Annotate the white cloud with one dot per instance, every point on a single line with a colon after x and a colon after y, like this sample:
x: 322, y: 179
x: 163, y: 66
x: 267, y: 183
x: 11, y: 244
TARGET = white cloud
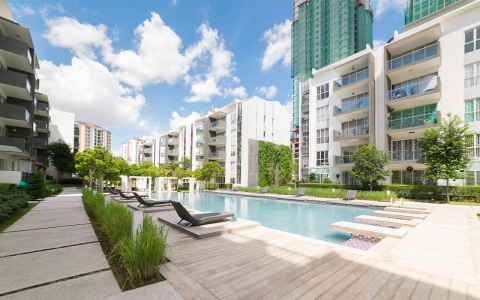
x: 178, y: 121
x: 183, y: 109
x: 88, y: 89
x: 28, y: 10
x: 203, y: 90
x: 279, y: 45
x: 268, y: 92
x: 382, y: 6
x: 378, y: 43
x: 289, y: 107
x: 116, y: 33
x: 48, y: 8
x: 80, y: 38
x: 235, y: 79
x: 15, y: 11
x: 238, y: 92
x: 174, y: 2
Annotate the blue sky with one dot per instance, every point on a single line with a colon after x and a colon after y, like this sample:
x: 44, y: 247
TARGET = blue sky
x: 140, y: 67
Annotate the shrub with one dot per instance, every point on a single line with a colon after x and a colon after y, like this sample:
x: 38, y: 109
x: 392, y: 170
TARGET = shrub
x: 7, y: 188
x: 11, y: 203
x: 37, y: 188
x: 214, y: 186
x: 53, y: 189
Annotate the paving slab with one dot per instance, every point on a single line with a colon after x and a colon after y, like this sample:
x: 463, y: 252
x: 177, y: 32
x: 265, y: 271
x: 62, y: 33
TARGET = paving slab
x: 93, y: 286
x: 50, y: 218
x: 18, y: 242
x: 161, y: 290
x: 28, y: 270
x: 368, y: 230
x: 57, y: 205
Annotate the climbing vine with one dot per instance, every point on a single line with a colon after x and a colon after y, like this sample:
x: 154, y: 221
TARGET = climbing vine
x: 268, y: 157
x: 285, y: 164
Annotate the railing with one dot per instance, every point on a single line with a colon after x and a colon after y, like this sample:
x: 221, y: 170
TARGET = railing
x: 42, y: 106
x: 200, y: 143
x: 213, y: 155
x: 76, y: 144
x: 342, y: 159
x: 170, y: 140
x: 200, y: 156
x: 200, y: 129
x: 351, y: 105
x: 415, y: 121
x: 173, y: 152
x: 29, y: 56
x: 217, y: 139
x: 29, y: 88
x: 412, y: 57
x: 217, y: 123
x: 352, y: 132
x: 76, y: 131
x: 405, y: 155
x: 413, y: 89
x: 351, y: 78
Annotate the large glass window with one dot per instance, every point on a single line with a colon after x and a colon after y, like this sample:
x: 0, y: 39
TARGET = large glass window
x: 323, y: 92
x: 472, y: 40
x: 322, y: 158
x: 412, y: 117
x: 322, y: 113
x: 322, y: 136
x: 472, y: 110
x: 410, y: 177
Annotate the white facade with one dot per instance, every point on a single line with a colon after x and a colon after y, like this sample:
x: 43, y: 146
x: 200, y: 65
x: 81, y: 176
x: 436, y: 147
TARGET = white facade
x: 149, y: 152
x: 61, y: 126
x: 411, y: 84
x: 131, y: 150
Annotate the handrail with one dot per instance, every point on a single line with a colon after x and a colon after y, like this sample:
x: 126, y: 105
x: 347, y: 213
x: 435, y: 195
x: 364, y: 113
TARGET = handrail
x: 413, y: 89
x: 412, y: 57
x: 414, y: 121
x: 352, y: 132
x: 357, y: 76
x: 352, y: 105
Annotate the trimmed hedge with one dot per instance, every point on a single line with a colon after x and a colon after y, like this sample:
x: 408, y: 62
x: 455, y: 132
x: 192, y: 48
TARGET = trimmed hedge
x: 214, y: 186
x: 11, y: 203
x: 53, y: 189
x: 7, y: 188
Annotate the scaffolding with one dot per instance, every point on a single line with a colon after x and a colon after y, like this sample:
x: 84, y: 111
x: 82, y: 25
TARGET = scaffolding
x: 417, y: 9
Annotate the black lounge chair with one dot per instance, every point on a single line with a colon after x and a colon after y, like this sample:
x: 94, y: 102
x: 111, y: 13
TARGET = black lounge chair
x: 129, y: 197
x: 111, y: 191
x: 198, y: 219
x: 351, y: 195
x: 149, y: 203
x: 264, y: 191
x: 301, y: 192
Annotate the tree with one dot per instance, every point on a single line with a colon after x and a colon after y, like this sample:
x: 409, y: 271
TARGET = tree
x: 370, y: 164
x: 312, y: 178
x: 212, y: 170
x: 295, y: 169
x: 186, y: 163
x: 445, y: 150
x: 327, y: 180
x: 62, y: 157
x: 99, y: 162
x: 37, y: 187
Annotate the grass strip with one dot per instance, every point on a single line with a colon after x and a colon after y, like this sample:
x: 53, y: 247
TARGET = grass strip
x: 16, y: 216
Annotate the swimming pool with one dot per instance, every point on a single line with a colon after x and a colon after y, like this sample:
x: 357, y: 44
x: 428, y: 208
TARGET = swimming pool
x: 307, y: 219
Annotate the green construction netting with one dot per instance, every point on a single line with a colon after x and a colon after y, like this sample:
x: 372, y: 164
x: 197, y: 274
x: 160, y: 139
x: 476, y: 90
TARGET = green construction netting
x: 417, y: 9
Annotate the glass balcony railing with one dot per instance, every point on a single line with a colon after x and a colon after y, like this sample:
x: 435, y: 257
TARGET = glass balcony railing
x: 172, y: 151
x: 214, y: 124
x: 216, y: 139
x: 412, y: 57
x: 414, y: 121
x: 342, y: 159
x: 27, y: 116
x: 29, y: 88
x: 360, y: 75
x: 413, y: 89
x: 200, y: 129
x: 29, y: 56
x: 170, y: 140
x: 405, y: 155
x: 351, y: 105
x: 352, y: 132
x: 200, y: 142
x: 213, y: 155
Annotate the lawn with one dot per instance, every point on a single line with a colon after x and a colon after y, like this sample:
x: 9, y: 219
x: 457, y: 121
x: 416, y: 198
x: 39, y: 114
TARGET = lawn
x: 13, y: 218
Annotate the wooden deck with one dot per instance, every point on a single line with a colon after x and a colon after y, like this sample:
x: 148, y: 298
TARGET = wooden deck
x: 438, y: 259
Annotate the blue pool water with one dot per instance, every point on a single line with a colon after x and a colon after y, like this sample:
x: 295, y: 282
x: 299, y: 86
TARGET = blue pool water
x: 307, y: 219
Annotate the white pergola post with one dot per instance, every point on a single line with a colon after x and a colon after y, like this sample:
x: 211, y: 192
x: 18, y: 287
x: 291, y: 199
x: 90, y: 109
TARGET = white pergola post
x: 169, y: 184
x: 137, y: 220
x: 124, y: 180
x: 191, y: 184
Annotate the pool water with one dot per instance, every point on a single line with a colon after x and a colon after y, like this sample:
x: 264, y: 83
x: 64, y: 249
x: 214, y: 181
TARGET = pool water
x: 307, y: 219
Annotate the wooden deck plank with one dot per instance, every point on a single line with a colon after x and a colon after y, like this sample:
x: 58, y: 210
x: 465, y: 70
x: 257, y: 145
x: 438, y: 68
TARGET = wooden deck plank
x: 376, y: 284
x: 199, y: 290
x: 441, y: 288
x: 408, y: 285
x: 424, y: 287
x: 351, y: 291
x: 178, y: 284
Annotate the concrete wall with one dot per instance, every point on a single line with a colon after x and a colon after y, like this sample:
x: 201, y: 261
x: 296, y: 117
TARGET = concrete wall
x: 11, y: 177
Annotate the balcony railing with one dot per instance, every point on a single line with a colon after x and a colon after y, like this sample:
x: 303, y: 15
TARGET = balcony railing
x: 18, y: 142
x: 218, y: 139
x: 200, y: 156
x: 406, y: 155
x: 412, y: 57
x: 343, y: 159
x: 76, y: 131
x: 415, y: 121
x: 413, y: 89
x: 351, y: 105
x: 216, y: 155
x: 217, y: 123
x: 352, y: 132
x: 200, y: 129
x: 200, y: 143
x: 42, y: 106
x: 40, y: 143
x: 351, y: 78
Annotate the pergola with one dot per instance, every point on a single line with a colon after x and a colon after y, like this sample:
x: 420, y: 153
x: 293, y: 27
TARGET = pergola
x: 145, y: 182
x: 159, y: 183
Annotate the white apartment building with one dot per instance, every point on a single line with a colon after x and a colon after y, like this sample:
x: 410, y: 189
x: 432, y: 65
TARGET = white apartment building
x: 131, y: 150
x: 388, y: 95
x: 88, y: 135
x: 223, y: 135
x: 148, y: 152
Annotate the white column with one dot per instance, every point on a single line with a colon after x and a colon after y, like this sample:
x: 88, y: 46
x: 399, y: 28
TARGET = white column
x: 137, y: 220
x: 169, y: 184
x: 190, y: 185
x: 124, y: 180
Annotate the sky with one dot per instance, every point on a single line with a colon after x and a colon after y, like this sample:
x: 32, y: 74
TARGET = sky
x: 140, y: 68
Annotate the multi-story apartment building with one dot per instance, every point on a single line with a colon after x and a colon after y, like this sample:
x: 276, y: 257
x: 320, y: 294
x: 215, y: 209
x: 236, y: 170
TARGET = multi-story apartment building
x: 24, y: 111
x: 387, y: 96
x: 323, y: 32
x: 88, y: 135
x: 148, y: 152
x: 176, y: 144
x: 131, y: 150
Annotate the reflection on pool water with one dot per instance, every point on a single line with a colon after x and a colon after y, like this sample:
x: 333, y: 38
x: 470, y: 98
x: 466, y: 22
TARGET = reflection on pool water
x: 307, y: 219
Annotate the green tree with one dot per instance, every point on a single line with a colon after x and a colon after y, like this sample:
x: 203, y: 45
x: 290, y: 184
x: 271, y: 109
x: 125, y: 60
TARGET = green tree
x: 295, y: 169
x: 62, y: 157
x: 37, y: 187
x: 312, y: 178
x: 445, y: 150
x: 100, y: 163
x: 370, y: 164
x: 212, y: 170
x: 186, y: 163
x: 327, y: 180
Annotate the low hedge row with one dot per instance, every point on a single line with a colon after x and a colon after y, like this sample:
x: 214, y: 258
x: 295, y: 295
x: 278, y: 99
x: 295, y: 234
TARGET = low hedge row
x: 11, y: 203
x: 53, y: 189
x: 7, y: 188
x: 211, y: 185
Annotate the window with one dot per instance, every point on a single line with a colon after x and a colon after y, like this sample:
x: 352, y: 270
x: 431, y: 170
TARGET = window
x: 322, y: 113
x: 233, y: 137
x: 322, y: 136
x: 233, y: 117
x: 322, y: 158
x: 322, y: 92
x: 472, y: 74
x: 472, y: 110
x: 472, y: 40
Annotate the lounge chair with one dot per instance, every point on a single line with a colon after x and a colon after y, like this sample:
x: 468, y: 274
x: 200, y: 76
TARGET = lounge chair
x: 129, y: 197
x: 111, y: 191
x: 264, y: 191
x: 149, y: 203
x: 236, y: 189
x: 301, y: 192
x: 198, y: 219
x: 351, y: 195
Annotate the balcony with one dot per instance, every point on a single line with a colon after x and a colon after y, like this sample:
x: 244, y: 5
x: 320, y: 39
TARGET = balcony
x: 422, y: 93
x: 412, y: 127
x: 219, y: 155
x: 172, y: 152
x: 14, y: 115
x: 200, y: 130
x: 217, y: 140
x: 342, y: 160
x: 355, y: 109
x: 402, y: 156
x: 42, y: 126
x: 162, y: 154
x: 423, y: 60
x: 352, y: 136
x: 15, y: 85
x: 147, y: 150
x: 218, y: 125
x: 76, y: 144
x: 41, y: 109
x: 76, y: 132
x: 15, y: 54
x: 40, y: 143
x: 14, y: 144
x: 356, y: 83
x: 200, y: 156
x: 173, y: 141
x: 42, y: 160
x: 147, y: 159
x: 200, y: 143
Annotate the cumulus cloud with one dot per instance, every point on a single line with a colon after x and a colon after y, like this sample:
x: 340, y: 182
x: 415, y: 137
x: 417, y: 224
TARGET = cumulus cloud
x: 182, y: 108
x: 238, y: 92
x: 278, y: 49
x: 268, y: 92
x: 177, y: 120
x: 382, y: 6
x: 203, y: 90
x: 378, y: 43
x: 88, y: 89
x: 28, y: 10
x: 289, y: 106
